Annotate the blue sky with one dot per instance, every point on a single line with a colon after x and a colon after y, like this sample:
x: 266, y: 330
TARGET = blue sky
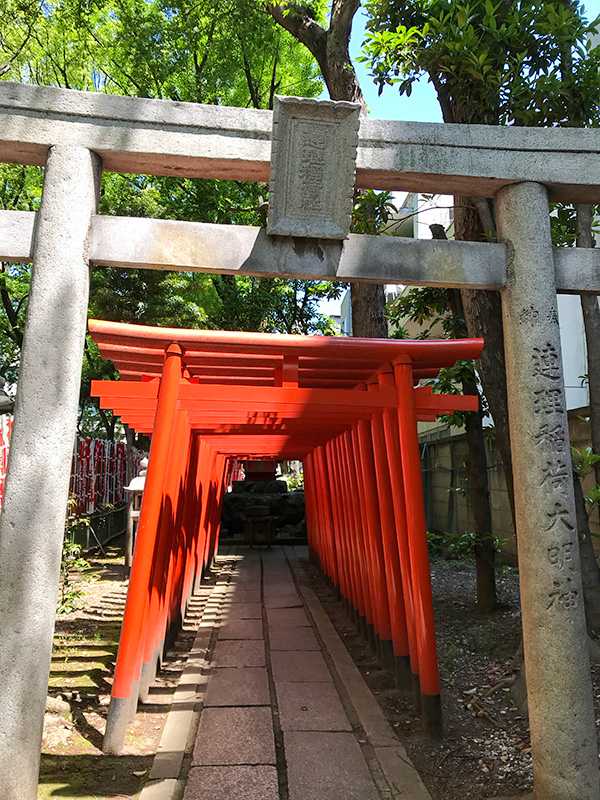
x: 422, y: 105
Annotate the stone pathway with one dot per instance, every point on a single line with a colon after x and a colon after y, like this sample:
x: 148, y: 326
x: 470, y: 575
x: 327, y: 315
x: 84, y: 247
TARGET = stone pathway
x: 285, y: 714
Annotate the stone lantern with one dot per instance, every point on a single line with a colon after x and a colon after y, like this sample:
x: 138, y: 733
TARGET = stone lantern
x: 135, y: 490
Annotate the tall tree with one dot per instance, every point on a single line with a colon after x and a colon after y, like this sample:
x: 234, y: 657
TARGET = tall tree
x: 506, y: 63
x: 330, y: 47
x: 223, y: 53
x: 496, y: 64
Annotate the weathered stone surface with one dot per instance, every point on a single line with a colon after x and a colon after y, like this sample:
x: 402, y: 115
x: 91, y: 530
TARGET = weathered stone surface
x: 563, y: 741
x: 161, y: 137
x: 313, y: 158
x: 276, y: 487
x: 287, y: 617
x: 37, y: 484
x: 241, y: 629
x: 58, y: 706
x: 227, y: 783
x: 242, y: 611
x: 245, y: 597
x: 188, y: 245
x: 293, y: 639
x: 241, y: 250
x: 299, y: 665
x: 290, y: 600
x: 238, y: 686
x: 235, y: 736
x: 326, y: 765
x: 310, y: 707
x: 277, y: 588
x: 249, y: 653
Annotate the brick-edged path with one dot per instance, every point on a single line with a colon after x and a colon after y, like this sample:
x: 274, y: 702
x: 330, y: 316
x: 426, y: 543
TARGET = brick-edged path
x: 284, y: 712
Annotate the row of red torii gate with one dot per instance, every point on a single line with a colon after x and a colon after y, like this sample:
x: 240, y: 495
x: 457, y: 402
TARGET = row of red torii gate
x: 348, y: 409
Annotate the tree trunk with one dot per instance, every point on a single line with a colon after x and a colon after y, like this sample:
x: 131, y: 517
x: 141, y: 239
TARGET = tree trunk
x: 591, y: 322
x: 483, y: 318
x: 330, y: 49
x: 485, y: 552
x: 368, y: 310
x: 590, y: 575
x: 479, y: 490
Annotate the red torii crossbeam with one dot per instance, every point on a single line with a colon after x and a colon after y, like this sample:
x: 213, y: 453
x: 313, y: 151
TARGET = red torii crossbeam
x: 348, y: 409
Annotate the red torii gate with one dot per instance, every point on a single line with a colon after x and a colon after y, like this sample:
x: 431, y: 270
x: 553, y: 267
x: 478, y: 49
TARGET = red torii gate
x: 348, y: 409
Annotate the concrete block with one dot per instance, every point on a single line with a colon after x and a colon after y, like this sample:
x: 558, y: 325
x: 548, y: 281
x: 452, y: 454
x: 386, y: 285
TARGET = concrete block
x: 162, y: 789
x: 400, y: 773
x: 238, y: 686
x: 310, y: 707
x: 231, y: 653
x: 241, y: 629
x: 293, y: 639
x: 287, y: 617
x: 299, y: 665
x: 235, y: 736
x: 230, y: 783
x: 327, y: 765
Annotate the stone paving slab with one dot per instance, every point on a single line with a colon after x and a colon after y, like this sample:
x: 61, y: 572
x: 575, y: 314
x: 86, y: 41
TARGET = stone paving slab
x: 234, y: 756
x: 310, y: 707
x: 283, y: 601
x: 232, y: 783
x: 295, y: 638
x: 307, y: 666
x: 238, y: 686
x: 242, y: 611
x: 246, y: 653
x: 237, y: 735
x: 243, y: 597
x: 327, y: 766
x: 278, y: 589
x: 241, y: 629
x: 287, y: 617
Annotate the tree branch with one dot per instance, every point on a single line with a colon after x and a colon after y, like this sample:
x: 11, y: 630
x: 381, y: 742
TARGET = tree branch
x: 300, y: 22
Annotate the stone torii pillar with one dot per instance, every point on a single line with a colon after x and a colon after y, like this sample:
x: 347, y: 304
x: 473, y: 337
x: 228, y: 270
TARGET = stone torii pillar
x: 561, y: 713
x: 37, y: 483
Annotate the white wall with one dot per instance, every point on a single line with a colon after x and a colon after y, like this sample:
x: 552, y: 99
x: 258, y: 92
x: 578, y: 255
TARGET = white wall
x: 573, y: 349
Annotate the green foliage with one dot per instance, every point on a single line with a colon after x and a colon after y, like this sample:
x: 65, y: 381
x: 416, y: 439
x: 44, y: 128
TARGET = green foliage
x: 583, y: 461
x: 20, y: 190
x: 73, y: 566
x: 428, y: 308
x: 372, y: 211
x: 293, y: 480
x: 563, y: 224
x: 229, y: 53
x: 526, y: 63
x: 459, y: 546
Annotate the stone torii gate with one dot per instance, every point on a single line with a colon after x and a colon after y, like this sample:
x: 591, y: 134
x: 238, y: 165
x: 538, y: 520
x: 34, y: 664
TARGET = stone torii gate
x: 76, y: 135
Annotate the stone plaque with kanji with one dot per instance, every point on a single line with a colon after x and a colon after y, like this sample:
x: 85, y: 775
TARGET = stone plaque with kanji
x: 313, y: 162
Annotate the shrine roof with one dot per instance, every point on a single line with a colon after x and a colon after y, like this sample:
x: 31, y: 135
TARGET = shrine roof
x: 256, y: 359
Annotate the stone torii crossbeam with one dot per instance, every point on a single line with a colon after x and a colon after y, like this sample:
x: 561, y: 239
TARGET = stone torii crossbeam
x: 76, y: 135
